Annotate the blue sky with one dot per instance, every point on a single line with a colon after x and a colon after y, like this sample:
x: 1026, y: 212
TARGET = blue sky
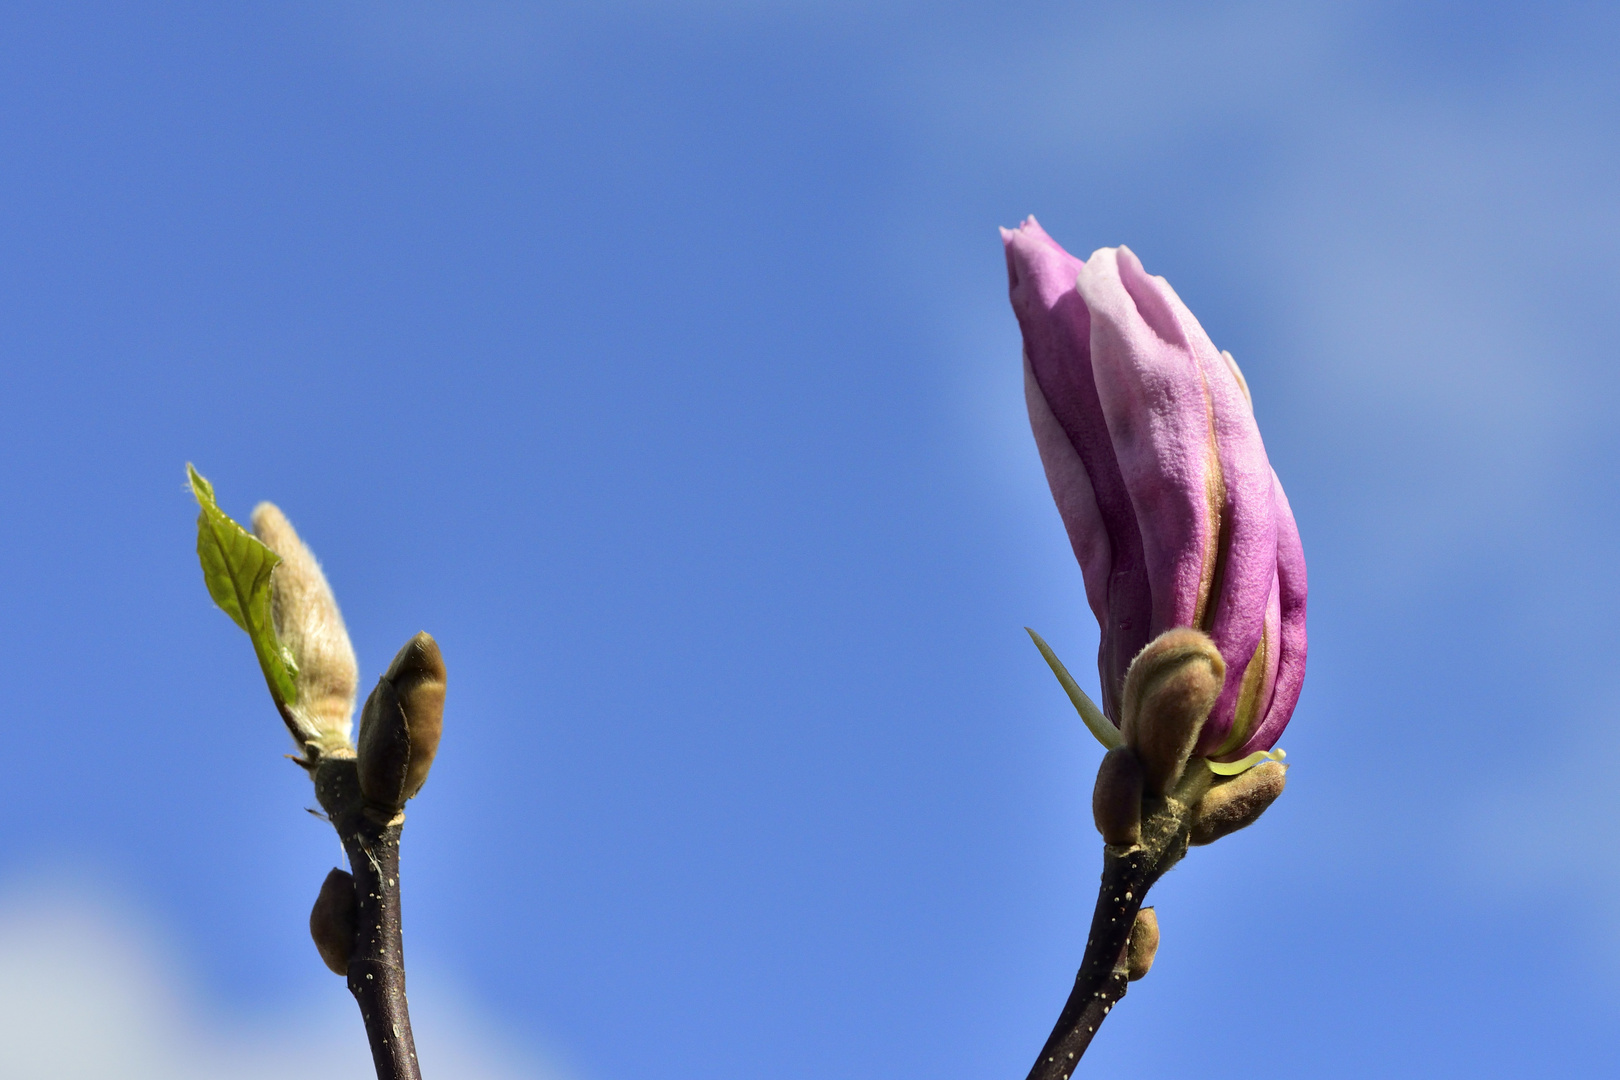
x: 657, y: 359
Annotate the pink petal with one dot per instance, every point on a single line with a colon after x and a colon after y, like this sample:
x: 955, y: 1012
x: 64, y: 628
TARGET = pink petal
x: 1291, y: 653
x: 1057, y: 344
x: 1071, y: 490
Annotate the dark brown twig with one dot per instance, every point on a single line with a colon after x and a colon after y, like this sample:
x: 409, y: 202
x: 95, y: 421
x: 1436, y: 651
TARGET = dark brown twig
x: 1128, y: 873
x: 377, y: 962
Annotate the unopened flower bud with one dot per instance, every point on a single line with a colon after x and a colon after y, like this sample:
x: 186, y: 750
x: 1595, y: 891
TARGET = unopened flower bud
x: 1116, y: 801
x: 1237, y: 803
x: 309, y: 624
x: 1169, y: 690
x: 1148, y: 437
x: 1144, y: 944
x: 332, y: 921
x: 400, y: 725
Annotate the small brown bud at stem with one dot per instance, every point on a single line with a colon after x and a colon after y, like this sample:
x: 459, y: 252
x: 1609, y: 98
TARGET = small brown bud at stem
x: 401, y: 723
x: 1116, y: 801
x: 332, y: 921
x: 1169, y: 690
x: 1144, y: 944
x: 1237, y: 803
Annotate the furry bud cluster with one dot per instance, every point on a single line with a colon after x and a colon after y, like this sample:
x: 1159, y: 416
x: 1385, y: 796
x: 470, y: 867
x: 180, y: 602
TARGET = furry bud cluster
x: 1169, y: 691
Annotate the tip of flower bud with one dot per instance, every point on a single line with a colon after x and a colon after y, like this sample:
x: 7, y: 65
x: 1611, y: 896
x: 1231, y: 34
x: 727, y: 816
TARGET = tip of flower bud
x: 1143, y: 946
x: 1237, y: 803
x: 1169, y: 690
x: 332, y: 921
x: 1116, y: 801
x: 418, y: 662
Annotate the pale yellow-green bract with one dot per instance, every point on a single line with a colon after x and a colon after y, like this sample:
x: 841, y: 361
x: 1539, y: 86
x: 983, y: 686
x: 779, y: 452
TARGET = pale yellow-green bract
x: 1098, y: 724
x: 1232, y: 768
x: 236, y: 567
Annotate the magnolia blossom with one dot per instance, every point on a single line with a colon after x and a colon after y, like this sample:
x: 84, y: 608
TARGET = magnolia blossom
x: 1148, y: 437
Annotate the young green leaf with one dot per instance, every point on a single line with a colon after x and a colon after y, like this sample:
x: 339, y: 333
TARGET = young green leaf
x: 236, y: 567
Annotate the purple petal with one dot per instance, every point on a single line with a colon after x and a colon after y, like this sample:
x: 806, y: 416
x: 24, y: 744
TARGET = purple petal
x: 1071, y: 490
x: 1256, y: 685
x: 1193, y: 461
x: 1057, y: 346
x: 1245, y: 573
x: 1152, y: 397
x: 1291, y: 650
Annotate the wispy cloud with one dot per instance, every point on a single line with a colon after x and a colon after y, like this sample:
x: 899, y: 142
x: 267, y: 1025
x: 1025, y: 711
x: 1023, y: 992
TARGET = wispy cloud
x: 86, y: 992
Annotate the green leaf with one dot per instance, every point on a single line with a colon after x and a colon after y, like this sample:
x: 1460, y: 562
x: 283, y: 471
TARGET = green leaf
x: 236, y: 567
x: 1099, y: 725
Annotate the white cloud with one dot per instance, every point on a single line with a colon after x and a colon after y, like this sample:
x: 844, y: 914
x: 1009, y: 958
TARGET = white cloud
x: 85, y: 992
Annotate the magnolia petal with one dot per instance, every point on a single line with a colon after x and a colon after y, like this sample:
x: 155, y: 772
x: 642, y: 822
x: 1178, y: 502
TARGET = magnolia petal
x: 1291, y: 588
x: 1154, y: 403
x: 1256, y: 687
x: 1235, y: 614
x: 1071, y: 490
x: 1237, y: 373
x: 1057, y: 343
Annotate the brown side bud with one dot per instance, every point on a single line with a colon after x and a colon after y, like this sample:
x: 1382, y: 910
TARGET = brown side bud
x: 1237, y: 803
x: 1169, y: 690
x: 1143, y: 946
x: 308, y: 622
x: 400, y: 725
x: 1116, y: 801
x: 332, y: 921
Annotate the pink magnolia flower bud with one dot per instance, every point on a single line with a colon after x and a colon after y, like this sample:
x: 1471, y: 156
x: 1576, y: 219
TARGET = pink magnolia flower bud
x: 1149, y: 442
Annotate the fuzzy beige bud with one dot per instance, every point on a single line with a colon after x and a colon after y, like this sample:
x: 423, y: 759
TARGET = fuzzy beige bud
x: 1169, y: 690
x: 332, y: 921
x: 401, y: 723
x: 1237, y: 803
x: 309, y: 624
x: 1143, y: 946
x: 1116, y: 801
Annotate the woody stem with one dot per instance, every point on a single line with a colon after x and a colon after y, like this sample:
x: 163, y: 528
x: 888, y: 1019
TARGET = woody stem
x: 377, y: 961
x: 1101, y: 982
x: 1128, y: 874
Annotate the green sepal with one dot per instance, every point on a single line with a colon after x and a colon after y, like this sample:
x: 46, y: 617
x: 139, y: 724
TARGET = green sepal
x: 236, y: 568
x: 1244, y: 764
x: 1098, y: 724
